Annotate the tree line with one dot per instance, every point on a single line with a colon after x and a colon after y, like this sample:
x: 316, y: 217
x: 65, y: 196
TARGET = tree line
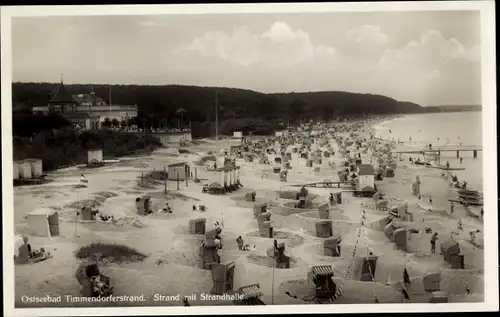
x: 238, y: 109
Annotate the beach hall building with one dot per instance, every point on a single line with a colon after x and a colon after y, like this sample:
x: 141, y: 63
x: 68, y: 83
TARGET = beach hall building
x: 86, y: 111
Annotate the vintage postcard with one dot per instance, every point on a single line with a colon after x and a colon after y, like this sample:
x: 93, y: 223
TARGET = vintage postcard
x: 186, y: 159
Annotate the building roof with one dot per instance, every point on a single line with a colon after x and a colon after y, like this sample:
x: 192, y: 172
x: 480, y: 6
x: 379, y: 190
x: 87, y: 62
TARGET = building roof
x: 322, y: 270
x: 250, y: 291
x: 78, y: 115
x: 88, y: 98
x: 62, y: 95
x: 449, y: 243
x: 177, y: 164
x: 43, y: 211
x: 366, y: 169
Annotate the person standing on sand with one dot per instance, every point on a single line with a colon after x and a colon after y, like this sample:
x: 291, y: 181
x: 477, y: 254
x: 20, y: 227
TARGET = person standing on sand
x: 452, y: 208
x: 473, y: 235
x: 461, y: 160
x: 239, y: 241
x: 434, y: 237
x: 430, y: 200
x: 482, y: 212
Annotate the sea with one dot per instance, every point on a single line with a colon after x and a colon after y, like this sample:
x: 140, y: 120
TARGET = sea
x: 465, y: 128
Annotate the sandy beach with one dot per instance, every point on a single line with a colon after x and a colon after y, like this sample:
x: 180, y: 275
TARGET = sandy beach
x: 171, y: 266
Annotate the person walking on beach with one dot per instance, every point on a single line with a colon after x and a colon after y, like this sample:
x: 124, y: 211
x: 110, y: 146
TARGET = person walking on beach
x: 473, y: 235
x: 461, y: 160
x: 482, y: 212
x: 430, y: 200
x: 452, y: 208
x: 447, y: 165
x: 434, y: 237
x: 331, y: 198
x: 460, y: 225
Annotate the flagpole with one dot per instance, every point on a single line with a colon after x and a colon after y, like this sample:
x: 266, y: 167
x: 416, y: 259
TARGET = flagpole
x: 216, y: 116
x: 109, y: 99
x: 272, y: 278
x: 77, y: 212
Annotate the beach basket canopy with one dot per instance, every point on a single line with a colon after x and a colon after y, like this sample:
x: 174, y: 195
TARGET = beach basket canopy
x: 215, y: 186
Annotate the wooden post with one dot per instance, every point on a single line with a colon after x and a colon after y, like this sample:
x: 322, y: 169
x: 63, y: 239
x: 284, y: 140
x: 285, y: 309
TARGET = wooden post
x: 187, y: 178
x: 165, y: 178
x: 195, y: 173
x: 178, y: 181
x: 458, y: 154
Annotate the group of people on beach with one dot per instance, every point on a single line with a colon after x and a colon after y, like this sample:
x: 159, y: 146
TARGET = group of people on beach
x: 27, y: 254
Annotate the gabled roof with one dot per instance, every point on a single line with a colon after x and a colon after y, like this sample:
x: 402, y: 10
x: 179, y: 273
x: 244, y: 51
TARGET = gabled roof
x: 366, y: 169
x: 62, y: 95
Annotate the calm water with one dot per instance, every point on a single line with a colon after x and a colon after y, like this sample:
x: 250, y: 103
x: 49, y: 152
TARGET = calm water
x: 441, y: 129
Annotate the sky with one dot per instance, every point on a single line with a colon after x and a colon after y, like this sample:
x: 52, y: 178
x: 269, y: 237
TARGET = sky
x: 427, y: 57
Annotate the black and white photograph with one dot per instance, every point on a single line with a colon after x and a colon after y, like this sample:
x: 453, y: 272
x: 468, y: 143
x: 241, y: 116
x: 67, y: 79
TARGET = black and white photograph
x: 177, y: 159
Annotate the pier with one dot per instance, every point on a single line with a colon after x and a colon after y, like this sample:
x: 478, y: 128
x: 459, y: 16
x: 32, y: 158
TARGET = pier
x: 444, y: 148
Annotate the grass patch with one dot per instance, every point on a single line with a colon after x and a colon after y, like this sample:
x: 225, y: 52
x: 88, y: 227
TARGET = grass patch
x: 83, y: 202
x: 106, y: 194
x: 204, y: 159
x: 65, y: 147
x: 115, y: 253
x: 171, y: 195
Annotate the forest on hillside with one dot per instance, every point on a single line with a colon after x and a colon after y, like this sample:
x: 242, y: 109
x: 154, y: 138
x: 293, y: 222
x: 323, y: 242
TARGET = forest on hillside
x: 239, y: 109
